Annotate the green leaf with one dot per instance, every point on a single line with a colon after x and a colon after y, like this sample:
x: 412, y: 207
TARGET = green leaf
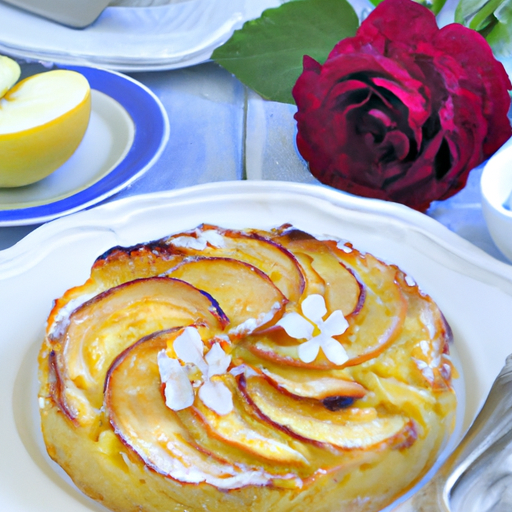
x: 500, y: 37
x: 266, y: 54
x: 492, y: 18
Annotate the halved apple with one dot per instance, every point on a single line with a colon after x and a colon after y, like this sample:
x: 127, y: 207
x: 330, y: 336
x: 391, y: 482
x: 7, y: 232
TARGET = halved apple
x: 271, y: 258
x: 10, y: 72
x: 348, y: 429
x: 43, y: 119
x: 106, y: 325
x: 246, y: 295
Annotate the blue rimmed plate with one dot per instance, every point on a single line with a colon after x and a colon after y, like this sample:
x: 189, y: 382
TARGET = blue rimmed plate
x: 127, y: 133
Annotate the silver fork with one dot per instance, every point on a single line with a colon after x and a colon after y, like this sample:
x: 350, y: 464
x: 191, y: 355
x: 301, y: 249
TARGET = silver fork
x: 469, y: 470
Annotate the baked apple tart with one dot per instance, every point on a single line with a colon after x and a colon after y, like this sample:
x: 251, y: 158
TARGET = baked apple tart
x: 228, y: 370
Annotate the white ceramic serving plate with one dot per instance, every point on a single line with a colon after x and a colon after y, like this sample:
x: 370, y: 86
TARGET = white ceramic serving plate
x: 127, y: 133
x: 473, y: 290
x: 131, y: 38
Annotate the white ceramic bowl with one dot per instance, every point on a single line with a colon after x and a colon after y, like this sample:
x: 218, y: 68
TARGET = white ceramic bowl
x: 496, y: 188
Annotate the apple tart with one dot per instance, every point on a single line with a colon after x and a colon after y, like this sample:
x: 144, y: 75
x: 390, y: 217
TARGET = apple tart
x: 228, y: 370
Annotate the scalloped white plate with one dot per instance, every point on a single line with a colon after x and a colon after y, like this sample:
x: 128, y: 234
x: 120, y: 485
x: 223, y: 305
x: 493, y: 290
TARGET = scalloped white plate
x: 131, y: 38
x: 473, y: 290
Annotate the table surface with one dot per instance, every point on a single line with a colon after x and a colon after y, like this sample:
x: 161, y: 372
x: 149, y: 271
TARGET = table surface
x: 220, y: 130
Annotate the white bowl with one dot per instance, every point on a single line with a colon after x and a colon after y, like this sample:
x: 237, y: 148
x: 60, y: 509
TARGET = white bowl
x: 496, y: 188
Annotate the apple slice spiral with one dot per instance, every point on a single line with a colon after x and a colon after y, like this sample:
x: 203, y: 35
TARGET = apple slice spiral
x: 218, y: 369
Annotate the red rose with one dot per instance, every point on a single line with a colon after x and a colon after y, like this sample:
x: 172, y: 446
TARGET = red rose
x: 403, y: 110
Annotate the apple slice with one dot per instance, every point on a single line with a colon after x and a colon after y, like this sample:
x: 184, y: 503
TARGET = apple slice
x: 378, y: 322
x: 43, y: 119
x: 306, y: 385
x: 332, y: 386
x: 247, y: 432
x: 424, y: 342
x: 10, y: 72
x: 116, y: 266
x: 314, y: 284
x: 342, y: 290
x: 348, y: 429
x: 121, y: 264
x: 246, y: 295
x: 95, y: 333
x: 139, y: 417
x: 271, y: 258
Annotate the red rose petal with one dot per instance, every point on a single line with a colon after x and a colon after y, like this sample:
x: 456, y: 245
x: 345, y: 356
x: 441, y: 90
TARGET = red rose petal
x: 402, y: 111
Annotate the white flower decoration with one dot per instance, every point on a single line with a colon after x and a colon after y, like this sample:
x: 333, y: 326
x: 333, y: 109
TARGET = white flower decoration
x: 302, y: 327
x: 200, y: 241
x: 179, y: 393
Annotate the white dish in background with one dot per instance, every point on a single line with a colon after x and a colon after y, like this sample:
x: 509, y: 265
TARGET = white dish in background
x: 127, y: 132
x: 473, y: 290
x: 496, y: 189
x: 131, y: 38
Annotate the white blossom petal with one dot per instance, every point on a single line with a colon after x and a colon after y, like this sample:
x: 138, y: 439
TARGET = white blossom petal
x: 165, y: 366
x: 179, y: 393
x: 334, y: 351
x: 218, y: 361
x: 309, y: 350
x: 335, y: 325
x: 216, y: 396
x: 313, y: 307
x: 296, y: 326
x: 188, y: 346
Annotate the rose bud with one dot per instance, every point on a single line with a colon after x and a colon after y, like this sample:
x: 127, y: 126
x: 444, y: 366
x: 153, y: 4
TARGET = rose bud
x: 403, y: 110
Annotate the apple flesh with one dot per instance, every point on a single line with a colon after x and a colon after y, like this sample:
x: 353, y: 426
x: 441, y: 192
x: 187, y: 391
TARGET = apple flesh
x: 10, y: 72
x: 260, y: 304
x: 341, y: 290
x: 138, y: 415
x: 347, y: 429
x: 272, y: 259
x: 104, y: 326
x: 374, y: 324
x: 43, y: 119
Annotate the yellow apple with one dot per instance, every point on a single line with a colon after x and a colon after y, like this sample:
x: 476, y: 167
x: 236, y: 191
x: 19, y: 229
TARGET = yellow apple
x: 43, y: 119
x: 9, y: 74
